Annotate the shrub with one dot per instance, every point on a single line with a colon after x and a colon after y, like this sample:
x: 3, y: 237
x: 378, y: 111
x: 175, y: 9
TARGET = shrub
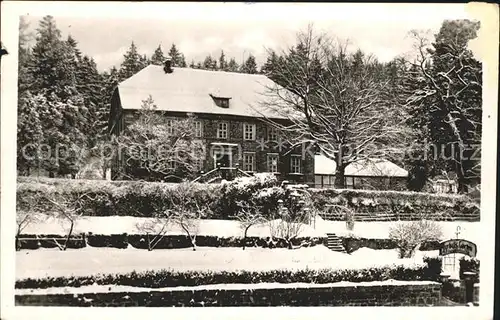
x: 434, y: 268
x: 410, y: 236
x: 170, y: 278
x: 114, y: 240
x: 260, y: 189
x: 139, y: 241
x: 468, y: 264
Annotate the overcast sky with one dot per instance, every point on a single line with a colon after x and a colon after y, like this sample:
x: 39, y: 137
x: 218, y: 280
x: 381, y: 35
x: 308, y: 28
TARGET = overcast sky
x: 106, y: 31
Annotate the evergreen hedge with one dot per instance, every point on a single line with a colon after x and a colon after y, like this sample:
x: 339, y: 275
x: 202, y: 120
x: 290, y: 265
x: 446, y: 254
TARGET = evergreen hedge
x: 170, y: 278
x: 128, y: 198
x: 139, y: 241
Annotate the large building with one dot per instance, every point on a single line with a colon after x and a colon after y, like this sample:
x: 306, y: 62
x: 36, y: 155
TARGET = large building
x: 229, y: 110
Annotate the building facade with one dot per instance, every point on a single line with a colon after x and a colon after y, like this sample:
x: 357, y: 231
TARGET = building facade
x: 229, y: 118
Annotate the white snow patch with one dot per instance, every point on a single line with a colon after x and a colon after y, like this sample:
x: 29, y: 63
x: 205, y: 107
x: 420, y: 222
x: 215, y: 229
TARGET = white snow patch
x: 91, y: 261
x: 121, y: 224
x: 471, y: 231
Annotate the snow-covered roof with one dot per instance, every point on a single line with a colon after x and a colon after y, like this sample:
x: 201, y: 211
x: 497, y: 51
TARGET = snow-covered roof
x: 365, y: 167
x: 324, y: 165
x: 191, y: 90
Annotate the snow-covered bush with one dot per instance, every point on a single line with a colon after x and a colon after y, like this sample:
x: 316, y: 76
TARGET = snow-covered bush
x: 469, y: 264
x: 397, y: 202
x: 260, y: 189
x: 171, y: 278
x: 349, y: 220
x: 409, y: 236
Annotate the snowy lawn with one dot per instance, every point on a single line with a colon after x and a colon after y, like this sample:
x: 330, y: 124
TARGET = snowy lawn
x: 231, y: 228
x: 87, y: 261
x: 220, y: 286
x: 380, y: 230
x: 120, y: 224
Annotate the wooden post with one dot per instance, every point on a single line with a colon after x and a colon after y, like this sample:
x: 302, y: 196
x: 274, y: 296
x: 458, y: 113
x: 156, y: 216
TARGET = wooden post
x: 469, y: 286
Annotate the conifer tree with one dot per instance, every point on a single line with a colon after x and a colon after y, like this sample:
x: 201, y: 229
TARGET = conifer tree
x: 222, y: 61
x: 178, y: 59
x: 158, y: 57
x: 233, y: 66
x: 54, y: 93
x: 448, y: 99
x: 250, y: 65
x: 132, y: 63
x: 209, y: 63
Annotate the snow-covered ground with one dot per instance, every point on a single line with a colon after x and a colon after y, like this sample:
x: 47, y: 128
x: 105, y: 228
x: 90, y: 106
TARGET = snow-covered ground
x: 131, y: 225
x: 231, y: 228
x: 380, y: 230
x: 220, y: 286
x: 87, y: 261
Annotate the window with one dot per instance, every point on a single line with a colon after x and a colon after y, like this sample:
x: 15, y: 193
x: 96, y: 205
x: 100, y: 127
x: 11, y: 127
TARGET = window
x: 249, y: 161
x: 222, y: 130
x: 170, y: 126
x: 272, y: 134
x: 249, y: 131
x: 295, y: 164
x: 198, y: 129
x: 221, y: 101
x: 272, y: 162
x: 199, y: 164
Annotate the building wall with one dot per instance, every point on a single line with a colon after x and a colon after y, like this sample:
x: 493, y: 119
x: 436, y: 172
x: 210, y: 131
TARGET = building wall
x: 261, y: 147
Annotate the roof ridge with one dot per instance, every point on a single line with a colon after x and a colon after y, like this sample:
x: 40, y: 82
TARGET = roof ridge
x: 205, y: 70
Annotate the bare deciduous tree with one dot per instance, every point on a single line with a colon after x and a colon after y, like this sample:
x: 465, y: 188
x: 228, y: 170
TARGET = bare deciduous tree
x: 410, y: 235
x: 157, y: 227
x: 333, y: 99
x: 293, y: 215
x: 67, y: 211
x: 286, y: 229
x: 26, y: 215
x: 249, y: 215
x: 187, y: 211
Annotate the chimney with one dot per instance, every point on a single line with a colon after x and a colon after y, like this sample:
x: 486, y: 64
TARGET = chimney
x: 167, y: 65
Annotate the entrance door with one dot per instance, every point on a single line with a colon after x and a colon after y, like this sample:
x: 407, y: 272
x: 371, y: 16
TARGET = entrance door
x: 224, y: 160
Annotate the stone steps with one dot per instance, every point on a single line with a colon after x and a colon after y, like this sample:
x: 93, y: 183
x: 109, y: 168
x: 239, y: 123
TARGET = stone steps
x: 334, y: 243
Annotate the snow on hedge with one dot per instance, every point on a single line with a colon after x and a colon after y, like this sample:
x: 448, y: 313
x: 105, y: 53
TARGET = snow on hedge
x: 471, y: 231
x: 220, y: 286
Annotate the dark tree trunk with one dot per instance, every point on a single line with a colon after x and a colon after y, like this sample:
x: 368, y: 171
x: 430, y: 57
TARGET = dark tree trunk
x: 245, y: 238
x: 69, y: 236
x: 339, y: 175
x: 18, y: 243
x: 149, y: 242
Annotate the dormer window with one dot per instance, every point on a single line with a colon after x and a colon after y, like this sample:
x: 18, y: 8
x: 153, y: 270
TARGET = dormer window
x: 222, y: 102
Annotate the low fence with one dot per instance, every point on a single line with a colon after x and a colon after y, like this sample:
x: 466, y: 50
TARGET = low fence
x: 419, y: 293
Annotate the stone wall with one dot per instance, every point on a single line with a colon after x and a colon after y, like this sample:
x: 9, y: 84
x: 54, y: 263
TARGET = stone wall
x: 411, y: 294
